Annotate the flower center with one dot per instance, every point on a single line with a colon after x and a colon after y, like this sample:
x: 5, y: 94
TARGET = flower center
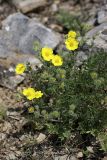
x: 71, y: 44
x: 57, y: 61
x: 47, y: 54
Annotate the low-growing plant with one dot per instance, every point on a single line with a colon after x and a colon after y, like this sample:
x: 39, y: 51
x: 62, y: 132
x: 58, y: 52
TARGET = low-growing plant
x: 102, y: 137
x: 2, y: 111
x: 70, y: 21
x: 62, y: 98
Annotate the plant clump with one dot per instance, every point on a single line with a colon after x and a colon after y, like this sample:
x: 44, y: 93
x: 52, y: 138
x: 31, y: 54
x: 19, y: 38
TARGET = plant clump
x: 64, y: 99
x: 68, y: 21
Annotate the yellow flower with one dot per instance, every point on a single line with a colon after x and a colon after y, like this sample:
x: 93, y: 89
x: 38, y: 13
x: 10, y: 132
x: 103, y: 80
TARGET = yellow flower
x: 38, y: 94
x: 20, y: 68
x: 29, y: 93
x: 57, y: 60
x: 47, y: 53
x: 71, y: 44
x: 31, y: 109
x: 72, y: 34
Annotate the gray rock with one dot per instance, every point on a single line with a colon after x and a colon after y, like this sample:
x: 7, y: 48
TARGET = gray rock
x: 54, y: 7
x: 91, y: 22
x: 8, y: 79
x: 38, y: 32
x: 96, y: 30
x: 98, y: 37
x: 28, y: 5
x: 102, y: 16
x: 22, y: 32
x: 90, y: 149
x: 12, y: 81
x: 80, y: 58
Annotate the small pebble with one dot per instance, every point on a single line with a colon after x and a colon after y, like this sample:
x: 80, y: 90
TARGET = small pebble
x: 90, y: 149
x: 79, y: 155
x: 41, y: 138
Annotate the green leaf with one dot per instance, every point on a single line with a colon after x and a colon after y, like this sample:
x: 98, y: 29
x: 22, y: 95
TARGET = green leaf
x: 103, y: 140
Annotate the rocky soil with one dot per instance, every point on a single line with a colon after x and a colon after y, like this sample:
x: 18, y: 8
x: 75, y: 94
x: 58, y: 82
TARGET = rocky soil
x: 22, y: 23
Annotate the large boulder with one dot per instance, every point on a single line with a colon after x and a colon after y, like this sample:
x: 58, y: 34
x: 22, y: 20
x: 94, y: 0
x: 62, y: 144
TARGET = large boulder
x: 19, y: 33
